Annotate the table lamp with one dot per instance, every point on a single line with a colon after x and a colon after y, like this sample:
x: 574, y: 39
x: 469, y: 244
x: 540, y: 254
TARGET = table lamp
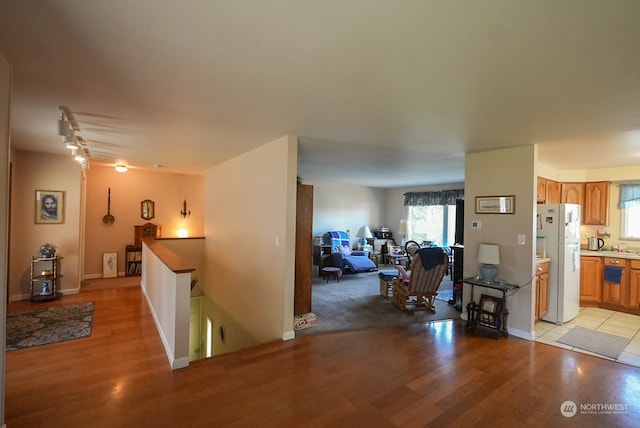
x: 364, y: 233
x: 403, y: 231
x: 489, y: 256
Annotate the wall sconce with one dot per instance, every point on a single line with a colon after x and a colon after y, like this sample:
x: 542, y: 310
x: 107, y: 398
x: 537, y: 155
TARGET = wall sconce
x: 185, y: 213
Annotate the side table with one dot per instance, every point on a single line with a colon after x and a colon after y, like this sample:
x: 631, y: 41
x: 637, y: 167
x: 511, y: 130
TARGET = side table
x: 491, y: 312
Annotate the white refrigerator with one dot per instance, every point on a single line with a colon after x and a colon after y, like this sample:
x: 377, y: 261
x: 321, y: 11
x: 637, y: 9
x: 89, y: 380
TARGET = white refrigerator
x: 559, y: 224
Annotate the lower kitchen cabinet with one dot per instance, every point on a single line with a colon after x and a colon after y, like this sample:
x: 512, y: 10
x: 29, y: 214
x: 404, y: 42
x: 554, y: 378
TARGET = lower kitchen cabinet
x: 614, y: 289
x: 611, y: 283
x: 542, y: 290
x: 590, y: 280
x: 634, y: 285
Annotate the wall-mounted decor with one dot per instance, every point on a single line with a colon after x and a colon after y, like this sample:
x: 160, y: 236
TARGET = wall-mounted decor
x: 495, y: 204
x: 147, y: 209
x: 49, y: 207
x: 109, y: 265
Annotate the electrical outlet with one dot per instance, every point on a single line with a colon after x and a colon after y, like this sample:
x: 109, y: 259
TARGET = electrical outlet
x: 475, y: 224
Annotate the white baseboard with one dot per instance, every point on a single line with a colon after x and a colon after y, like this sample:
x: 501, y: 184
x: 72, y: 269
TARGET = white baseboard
x: 521, y: 334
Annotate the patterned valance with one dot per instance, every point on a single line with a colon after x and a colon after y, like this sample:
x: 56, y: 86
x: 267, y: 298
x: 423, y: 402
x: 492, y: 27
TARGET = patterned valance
x: 443, y: 197
x: 629, y: 195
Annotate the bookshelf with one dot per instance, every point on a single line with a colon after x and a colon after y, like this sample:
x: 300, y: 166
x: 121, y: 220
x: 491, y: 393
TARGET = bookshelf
x: 133, y: 261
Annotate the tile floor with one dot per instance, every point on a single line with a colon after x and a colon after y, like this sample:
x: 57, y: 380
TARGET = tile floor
x: 617, y: 323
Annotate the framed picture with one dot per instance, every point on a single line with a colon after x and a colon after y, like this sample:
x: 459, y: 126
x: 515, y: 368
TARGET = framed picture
x: 49, y: 208
x: 109, y: 265
x: 490, y: 310
x: 495, y: 204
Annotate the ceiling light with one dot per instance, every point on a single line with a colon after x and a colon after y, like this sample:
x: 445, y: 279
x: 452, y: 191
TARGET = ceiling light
x: 64, y: 127
x: 79, y: 158
x: 71, y: 142
x: 122, y: 168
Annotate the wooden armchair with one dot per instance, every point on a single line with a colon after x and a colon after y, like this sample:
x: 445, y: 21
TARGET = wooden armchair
x: 419, y: 287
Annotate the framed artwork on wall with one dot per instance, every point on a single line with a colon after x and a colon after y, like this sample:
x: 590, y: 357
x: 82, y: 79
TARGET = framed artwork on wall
x: 109, y: 265
x: 49, y: 208
x: 496, y: 204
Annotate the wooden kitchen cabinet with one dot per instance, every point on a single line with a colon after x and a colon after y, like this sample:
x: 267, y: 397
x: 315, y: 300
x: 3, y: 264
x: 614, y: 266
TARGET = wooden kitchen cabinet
x: 572, y: 193
x: 542, y: 290
x: 595, y: 210
x: 542, y: 190
x: 553, y: 192
x: 548, y: 191
x: 614, y: 293
x: 590, y: 280
x: 634, y: 285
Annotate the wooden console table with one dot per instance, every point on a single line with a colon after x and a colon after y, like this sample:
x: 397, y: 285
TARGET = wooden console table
x: 491, y: 313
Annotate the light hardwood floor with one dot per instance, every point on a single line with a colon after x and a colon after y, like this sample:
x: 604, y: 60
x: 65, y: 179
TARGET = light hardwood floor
x: 422, y: 375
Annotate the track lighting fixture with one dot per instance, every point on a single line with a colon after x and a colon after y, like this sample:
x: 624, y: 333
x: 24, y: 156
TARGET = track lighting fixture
x: 67, y: 127
x: 64, y: 127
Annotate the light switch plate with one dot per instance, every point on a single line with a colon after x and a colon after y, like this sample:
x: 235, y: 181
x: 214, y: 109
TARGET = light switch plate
x: 521, y: 239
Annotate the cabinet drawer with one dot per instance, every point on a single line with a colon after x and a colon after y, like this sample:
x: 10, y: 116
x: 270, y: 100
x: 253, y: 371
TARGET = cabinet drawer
x: 635, y: 264
x: 613, y: 261
x: 542, y: 268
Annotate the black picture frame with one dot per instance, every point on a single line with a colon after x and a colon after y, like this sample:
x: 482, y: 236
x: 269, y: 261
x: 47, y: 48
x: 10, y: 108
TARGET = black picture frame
x: 490, y: 311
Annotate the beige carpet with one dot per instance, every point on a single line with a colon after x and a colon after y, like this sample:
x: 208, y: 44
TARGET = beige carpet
x: 355, y: 303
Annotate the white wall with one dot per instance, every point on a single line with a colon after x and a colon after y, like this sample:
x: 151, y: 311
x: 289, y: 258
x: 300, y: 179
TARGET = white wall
x: 338, y: 206
x: 5, y: 90
x: 497, y: 173
x: 167, y: 294
x: 250, y: 246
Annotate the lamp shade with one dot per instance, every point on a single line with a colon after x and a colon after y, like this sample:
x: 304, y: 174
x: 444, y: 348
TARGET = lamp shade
x: 489, y: 254
x: 364, y: 232
x: 403, y: 227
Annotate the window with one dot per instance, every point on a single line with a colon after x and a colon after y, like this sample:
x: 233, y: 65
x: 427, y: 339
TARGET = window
x: 630, y: 210
x: 630, y: 224
x: 435, y: 223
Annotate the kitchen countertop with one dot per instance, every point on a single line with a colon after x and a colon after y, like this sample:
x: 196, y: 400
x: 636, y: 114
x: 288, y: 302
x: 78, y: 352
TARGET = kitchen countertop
x: 543, y: 259
x: 610, y: 254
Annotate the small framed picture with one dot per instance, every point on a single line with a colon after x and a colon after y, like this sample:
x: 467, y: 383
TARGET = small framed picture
x: 496, y: 204
x: 490, y: 310
x: 49, y: 208
x: 109, y: 265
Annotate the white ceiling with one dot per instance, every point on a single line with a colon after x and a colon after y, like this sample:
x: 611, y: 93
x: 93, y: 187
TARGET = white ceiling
x: 380, y: 93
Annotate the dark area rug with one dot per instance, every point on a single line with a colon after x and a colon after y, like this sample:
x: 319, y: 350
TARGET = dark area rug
x: 598, y: 342
x: 355, y: 303
x: 48, y: 325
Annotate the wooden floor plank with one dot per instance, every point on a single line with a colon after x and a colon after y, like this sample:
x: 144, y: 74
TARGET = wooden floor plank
x: 421, y: 375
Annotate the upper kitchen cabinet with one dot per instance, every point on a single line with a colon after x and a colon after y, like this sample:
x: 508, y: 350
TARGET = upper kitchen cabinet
x: 572, y: 193
x: 548, y: 191
x: 542, y: 190
x: 596, y: 203
x: 553, y: 192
